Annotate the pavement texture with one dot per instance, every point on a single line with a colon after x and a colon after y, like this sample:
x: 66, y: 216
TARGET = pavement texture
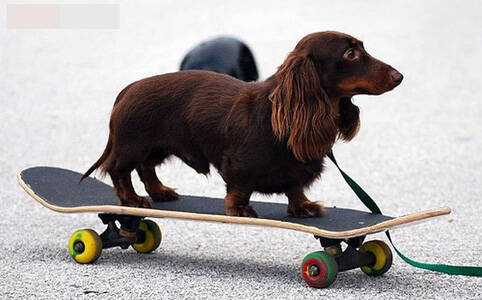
x: 419, y: 148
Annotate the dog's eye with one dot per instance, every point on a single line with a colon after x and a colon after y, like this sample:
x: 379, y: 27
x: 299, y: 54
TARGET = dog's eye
x: 350, y: 54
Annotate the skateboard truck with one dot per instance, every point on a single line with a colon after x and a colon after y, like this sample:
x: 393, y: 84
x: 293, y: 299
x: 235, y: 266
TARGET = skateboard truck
x: 124, y: 236
x: 351, y: 258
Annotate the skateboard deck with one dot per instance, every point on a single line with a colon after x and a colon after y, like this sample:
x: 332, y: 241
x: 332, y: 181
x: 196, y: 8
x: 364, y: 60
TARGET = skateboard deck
x: 59, y: 190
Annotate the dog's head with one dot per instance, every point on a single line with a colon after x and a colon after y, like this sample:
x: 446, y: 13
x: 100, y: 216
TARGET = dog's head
x: 311, y: 97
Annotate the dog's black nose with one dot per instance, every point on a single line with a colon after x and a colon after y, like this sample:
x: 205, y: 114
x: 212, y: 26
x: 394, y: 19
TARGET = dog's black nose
x: 396, y: 76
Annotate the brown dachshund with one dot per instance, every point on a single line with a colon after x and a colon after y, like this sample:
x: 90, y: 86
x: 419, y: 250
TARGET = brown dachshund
x: 267, y: 137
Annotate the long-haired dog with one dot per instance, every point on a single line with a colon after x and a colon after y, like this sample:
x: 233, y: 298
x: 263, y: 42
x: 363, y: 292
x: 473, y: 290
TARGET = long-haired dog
x: 267, y: 137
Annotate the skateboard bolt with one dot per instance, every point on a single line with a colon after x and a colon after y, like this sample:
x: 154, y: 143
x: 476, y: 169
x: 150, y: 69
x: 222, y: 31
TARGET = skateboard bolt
x: 314, y: 270
x: 79, y: 247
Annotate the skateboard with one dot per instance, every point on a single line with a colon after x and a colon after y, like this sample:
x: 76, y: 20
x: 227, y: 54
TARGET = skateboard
x: 59, y: 190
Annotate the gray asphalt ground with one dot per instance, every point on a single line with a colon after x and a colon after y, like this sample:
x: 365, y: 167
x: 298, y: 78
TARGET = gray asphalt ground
x: 419, y: 148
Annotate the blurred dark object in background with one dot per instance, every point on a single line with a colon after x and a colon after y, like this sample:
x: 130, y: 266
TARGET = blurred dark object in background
x: 222, y: 55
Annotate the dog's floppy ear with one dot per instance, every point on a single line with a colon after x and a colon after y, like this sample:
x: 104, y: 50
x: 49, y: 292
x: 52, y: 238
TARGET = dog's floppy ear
x: 301, y: 110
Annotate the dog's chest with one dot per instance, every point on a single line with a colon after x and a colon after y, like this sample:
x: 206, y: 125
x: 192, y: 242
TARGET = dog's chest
x: 284, y: 176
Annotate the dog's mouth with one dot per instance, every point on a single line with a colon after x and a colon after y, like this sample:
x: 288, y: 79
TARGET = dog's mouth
x: 377, y: 87
x: 363, y: 91
x: 374, y: 92
x: 375, y: 82
x: 367, y: 89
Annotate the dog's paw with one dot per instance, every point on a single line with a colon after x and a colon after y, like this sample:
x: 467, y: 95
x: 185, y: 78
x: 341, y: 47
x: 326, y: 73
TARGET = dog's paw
x: 242, y: 211
x: 164, y: 195
x: 145, y: 203
x: 136, y: 202
x: 306, y: 209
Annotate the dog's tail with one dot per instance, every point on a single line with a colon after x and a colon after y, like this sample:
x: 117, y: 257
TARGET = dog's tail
x: 108, y: 147
x: 101, y: 160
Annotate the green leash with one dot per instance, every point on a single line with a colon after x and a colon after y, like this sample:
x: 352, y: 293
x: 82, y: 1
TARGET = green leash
x: 373, y: 207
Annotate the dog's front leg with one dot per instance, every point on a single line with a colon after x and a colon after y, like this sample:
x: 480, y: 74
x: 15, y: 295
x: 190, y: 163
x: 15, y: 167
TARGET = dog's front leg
x: 237, y: 203
x: 299, y: 206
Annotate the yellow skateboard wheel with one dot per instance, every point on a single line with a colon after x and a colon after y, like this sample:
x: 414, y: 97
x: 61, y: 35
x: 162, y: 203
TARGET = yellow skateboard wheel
x: 85, y: 246
x: 383, y: 257
x: 149, y: 237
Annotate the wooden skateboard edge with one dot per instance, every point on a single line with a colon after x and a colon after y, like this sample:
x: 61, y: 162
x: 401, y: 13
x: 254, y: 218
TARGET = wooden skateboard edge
x: 146, y: 212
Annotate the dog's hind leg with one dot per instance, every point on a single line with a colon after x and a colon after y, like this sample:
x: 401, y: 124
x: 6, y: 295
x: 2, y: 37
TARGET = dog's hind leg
x: 129, y: 194
x: 300, y: 206
x: 120, y: 166
x: 125, y: 191
x: 237, y: 203
x: 152, y: 184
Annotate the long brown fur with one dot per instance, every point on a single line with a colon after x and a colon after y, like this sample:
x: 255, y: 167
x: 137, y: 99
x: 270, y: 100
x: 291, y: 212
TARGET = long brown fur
x: 268, y: 137
x: 301, y: 109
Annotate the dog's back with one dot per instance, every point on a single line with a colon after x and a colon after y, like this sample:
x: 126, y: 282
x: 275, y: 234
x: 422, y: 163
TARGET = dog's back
x: 181, y: 113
